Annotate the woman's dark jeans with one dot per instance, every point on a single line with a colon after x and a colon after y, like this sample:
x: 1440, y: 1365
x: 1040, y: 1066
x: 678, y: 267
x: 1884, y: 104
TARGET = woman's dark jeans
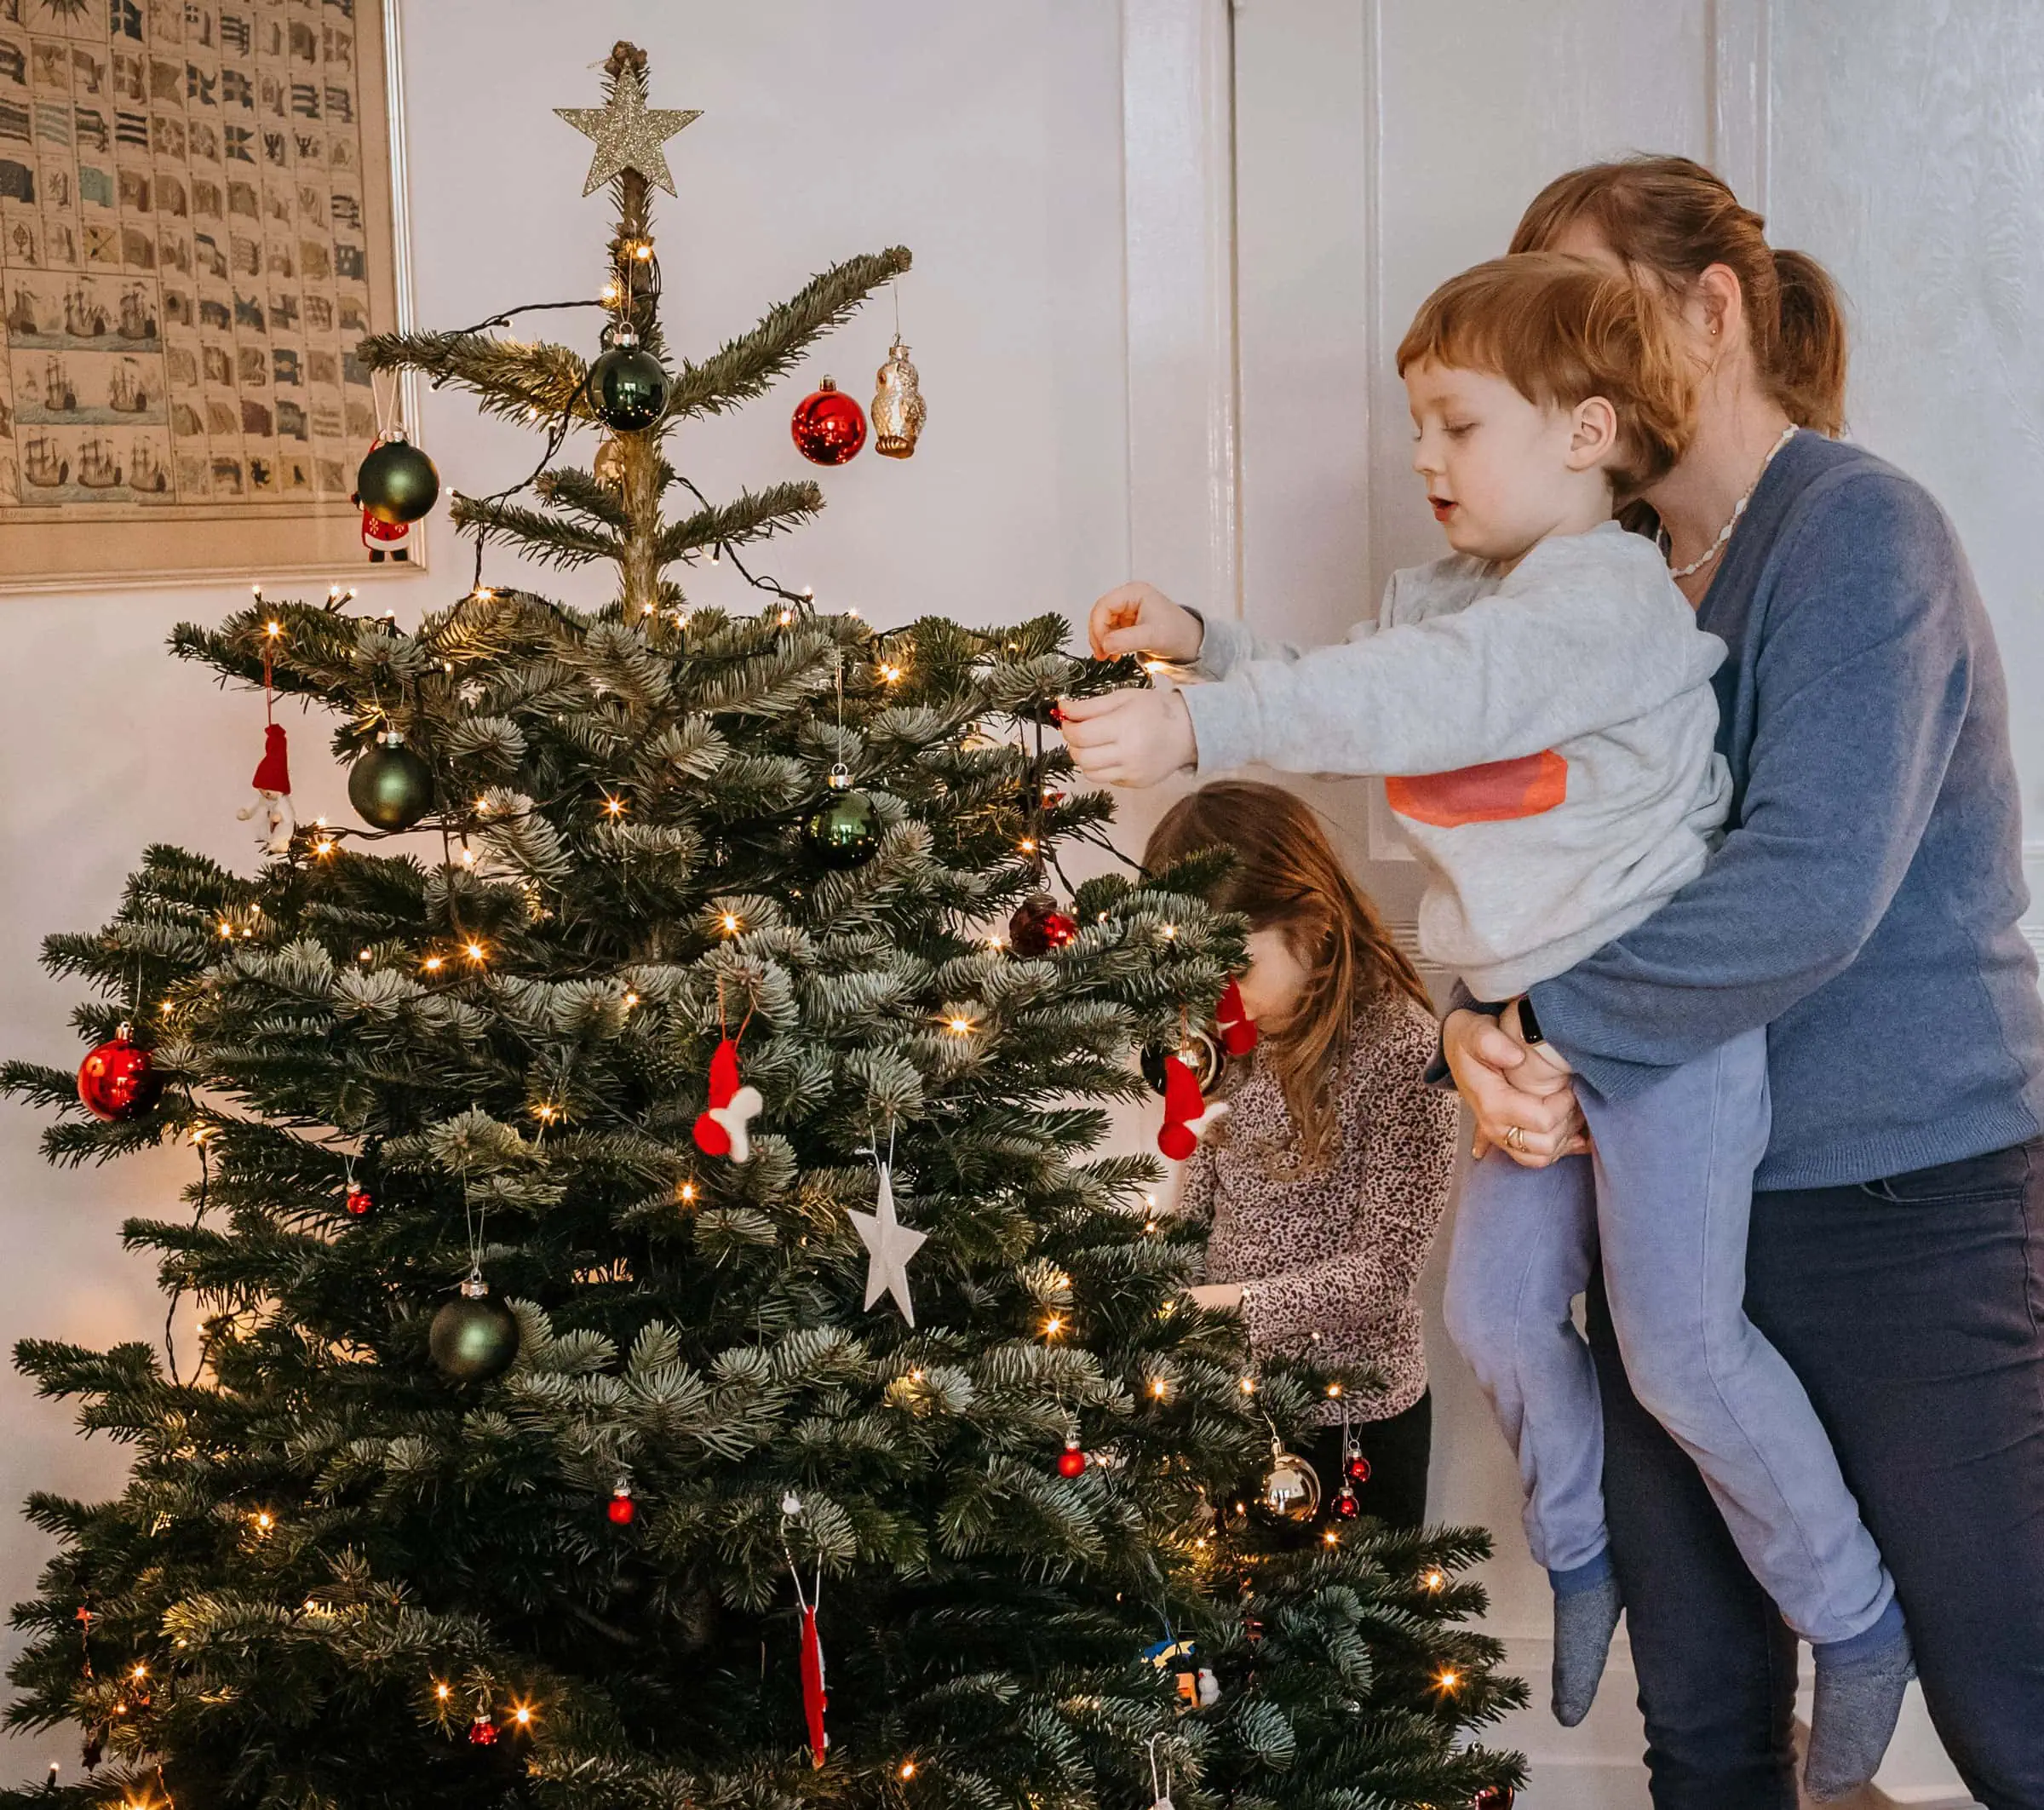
x: 1913, y: 1309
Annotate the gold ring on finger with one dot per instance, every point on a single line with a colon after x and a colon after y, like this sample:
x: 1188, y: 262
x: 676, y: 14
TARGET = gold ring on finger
x: 1515, y: 1136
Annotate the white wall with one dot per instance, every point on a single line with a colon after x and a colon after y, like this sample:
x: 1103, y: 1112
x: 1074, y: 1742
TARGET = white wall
x: 987, y: 139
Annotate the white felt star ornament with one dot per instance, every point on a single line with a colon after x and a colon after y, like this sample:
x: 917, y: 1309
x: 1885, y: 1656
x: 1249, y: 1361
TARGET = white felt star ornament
x: 629, y: 134
x: 889, y: 1245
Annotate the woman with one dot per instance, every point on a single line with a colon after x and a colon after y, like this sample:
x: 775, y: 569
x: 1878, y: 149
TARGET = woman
x: 1328, y: 1179
x: 1864, y: 906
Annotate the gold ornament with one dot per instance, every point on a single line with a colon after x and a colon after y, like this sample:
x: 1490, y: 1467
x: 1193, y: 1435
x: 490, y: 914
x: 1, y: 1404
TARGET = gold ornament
x: 898, y: 410
x: 608, y: 470
x: 629, y: 132
x: 1291, y: 1486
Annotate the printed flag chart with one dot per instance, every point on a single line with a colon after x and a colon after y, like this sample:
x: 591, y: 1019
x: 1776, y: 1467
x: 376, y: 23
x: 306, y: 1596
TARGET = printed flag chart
x: 196, y: 232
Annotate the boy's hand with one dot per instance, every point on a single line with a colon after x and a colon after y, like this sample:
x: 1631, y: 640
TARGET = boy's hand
x: 1139, y: 619
x: 1131, y: 738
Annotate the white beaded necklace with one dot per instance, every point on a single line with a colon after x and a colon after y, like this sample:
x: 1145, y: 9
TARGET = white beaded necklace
x: 1738, y: 508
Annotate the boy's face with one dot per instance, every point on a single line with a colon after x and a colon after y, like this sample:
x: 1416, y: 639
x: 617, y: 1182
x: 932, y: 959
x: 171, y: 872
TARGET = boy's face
x: 1501, y: 471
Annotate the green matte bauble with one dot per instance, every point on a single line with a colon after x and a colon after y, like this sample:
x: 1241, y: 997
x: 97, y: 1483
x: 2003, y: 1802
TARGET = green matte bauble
x: 390, y: 785
x: 627, y: 388
x: 845, y: 830
x: 397, y: 483
x: 474, y: 1336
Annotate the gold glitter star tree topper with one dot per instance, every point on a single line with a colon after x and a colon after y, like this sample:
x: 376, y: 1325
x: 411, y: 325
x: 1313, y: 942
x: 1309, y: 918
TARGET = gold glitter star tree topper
x: 629, y: 134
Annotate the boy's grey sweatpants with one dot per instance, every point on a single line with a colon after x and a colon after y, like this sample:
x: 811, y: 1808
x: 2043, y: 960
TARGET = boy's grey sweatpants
x: 1667, y: 1198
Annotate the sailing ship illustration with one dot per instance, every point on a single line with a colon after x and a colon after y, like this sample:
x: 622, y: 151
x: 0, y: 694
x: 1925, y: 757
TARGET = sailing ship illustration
x: 145, y: 474
x: 83, y: 317
x: 98, y: 468
x: 21, y: 314
x: 126, y: 391
x: 60, y: 394
x: 43, y: 465
x: 136, y: 321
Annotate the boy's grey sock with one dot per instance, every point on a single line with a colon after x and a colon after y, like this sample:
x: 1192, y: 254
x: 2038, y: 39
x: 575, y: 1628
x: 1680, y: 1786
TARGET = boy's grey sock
x: 1860, y: 1687
x: 1586, y: 1616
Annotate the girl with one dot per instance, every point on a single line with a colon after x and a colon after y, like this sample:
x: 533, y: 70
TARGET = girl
x: 1541, y: 697
x: 1328, y: 1178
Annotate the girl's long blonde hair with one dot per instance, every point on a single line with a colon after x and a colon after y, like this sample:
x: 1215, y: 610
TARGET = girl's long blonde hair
x: 1286, y: 874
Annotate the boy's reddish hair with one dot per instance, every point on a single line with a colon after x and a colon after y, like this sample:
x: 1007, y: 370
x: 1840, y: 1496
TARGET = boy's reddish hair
x: 1561, y: 330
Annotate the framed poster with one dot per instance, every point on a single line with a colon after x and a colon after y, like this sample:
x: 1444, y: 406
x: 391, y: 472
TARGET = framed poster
x: 200, y: 220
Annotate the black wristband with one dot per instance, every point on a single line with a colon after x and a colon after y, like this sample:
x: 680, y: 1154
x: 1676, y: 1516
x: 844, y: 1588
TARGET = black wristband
x: 1529, y: 1026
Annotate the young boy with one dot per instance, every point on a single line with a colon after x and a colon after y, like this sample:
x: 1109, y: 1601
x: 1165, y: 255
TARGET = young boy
x: 1540, y: 703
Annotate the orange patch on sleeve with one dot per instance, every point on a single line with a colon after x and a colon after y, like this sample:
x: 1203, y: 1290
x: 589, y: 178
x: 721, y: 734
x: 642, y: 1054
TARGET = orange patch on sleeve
x: 1497, y: 791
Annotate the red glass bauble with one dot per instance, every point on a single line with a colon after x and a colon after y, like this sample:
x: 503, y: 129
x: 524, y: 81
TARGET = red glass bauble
x: 482, y: 1732
x: 1494, y: 1797
x: 118, y: 1080
x: 1346, y: 1506
x: 829, y: 425
x: 1356, y: 1467
x: 358, y: 1203
x: 1039, y: 927
x: 622, y: 1508
x: 1071, y: 1461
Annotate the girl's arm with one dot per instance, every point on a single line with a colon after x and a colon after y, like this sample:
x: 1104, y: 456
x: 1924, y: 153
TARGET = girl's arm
x: 1864, y: 675
x: 1408, y: 1130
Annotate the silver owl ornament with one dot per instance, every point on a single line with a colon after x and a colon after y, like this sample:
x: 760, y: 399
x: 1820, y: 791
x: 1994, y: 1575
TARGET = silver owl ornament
x: 898, y: 411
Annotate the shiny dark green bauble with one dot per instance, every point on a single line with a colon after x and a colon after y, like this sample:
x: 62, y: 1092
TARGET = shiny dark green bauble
x: 397, y: 483
x: 845, y: 830
x: 473, y: 1337
x: 627, y: 388
x: 390, y: 785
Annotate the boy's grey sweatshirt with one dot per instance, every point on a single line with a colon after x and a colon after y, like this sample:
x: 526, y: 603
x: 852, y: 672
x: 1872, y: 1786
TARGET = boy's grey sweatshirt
x: 1547, y: 736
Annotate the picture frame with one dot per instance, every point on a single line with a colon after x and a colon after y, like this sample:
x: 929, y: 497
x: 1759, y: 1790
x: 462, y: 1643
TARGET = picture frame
x: 202, y: 214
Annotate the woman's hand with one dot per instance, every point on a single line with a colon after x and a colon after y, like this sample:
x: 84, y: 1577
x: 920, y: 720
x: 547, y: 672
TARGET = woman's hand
x: 1483, y: 1057
x: 1139, y: 619
x: 1131, y: 738
x: 1225, y: 1296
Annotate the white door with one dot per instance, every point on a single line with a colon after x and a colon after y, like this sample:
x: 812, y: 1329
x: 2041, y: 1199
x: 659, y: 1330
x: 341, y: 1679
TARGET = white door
x: 1379, y: 146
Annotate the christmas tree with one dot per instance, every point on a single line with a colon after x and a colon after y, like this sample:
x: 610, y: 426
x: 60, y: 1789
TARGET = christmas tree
x: 650, y: 1224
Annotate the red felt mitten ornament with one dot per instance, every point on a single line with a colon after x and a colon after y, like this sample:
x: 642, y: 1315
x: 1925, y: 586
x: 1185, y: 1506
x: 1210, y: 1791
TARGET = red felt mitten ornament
x: 723, y: 1129
x: 1237, y: 1029
x: 1187, y: 1116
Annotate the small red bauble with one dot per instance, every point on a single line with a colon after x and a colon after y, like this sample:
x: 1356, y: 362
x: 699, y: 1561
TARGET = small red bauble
x: 358, y: 1203
x: 118, y: 1080
x: 1039, y: 927
x: 1346, y: 1506
x: 622, y: 1508
x: 829, y: 425
x: 1494, y: 1797
x: 1356, y: 1467
x: 1071, y: 1461
x: 482, y: 1732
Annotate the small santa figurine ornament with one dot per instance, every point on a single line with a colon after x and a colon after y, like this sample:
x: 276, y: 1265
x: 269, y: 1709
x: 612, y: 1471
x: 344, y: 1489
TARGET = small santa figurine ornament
x: 272, y: 807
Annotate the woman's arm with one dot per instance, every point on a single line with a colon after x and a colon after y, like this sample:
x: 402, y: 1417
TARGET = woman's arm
x: 1863, y: 675
x: 1408, y: 1130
